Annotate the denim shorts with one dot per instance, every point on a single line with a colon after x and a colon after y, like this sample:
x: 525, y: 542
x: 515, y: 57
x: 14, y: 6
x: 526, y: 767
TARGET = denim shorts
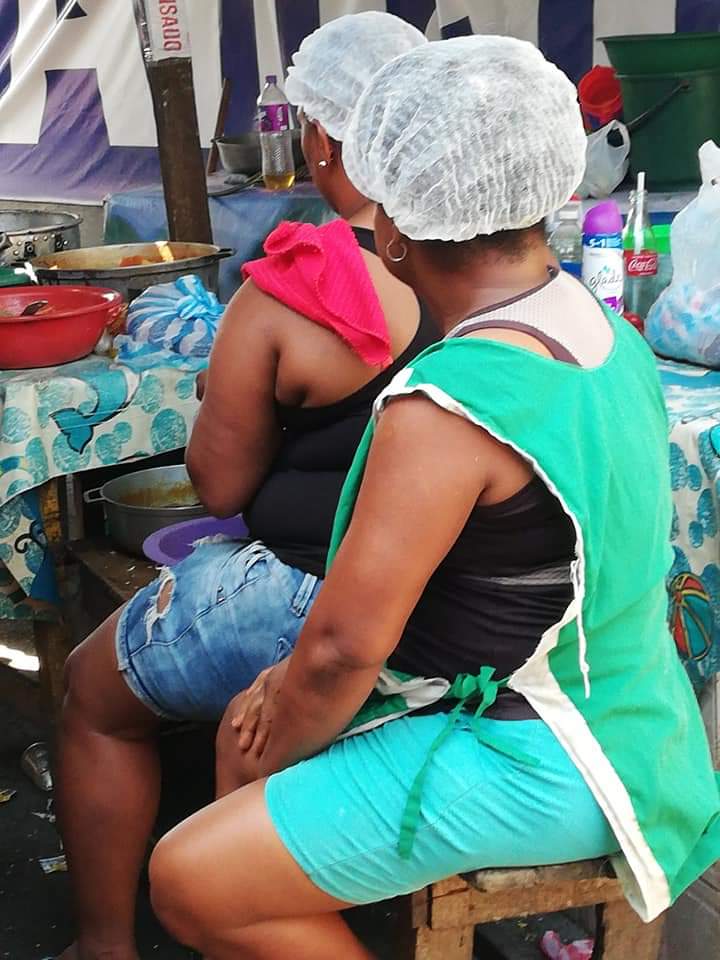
x: 339, y: 813
x: 234, y: 609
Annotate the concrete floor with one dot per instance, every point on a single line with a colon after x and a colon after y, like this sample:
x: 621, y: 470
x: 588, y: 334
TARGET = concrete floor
x: 35, y: 910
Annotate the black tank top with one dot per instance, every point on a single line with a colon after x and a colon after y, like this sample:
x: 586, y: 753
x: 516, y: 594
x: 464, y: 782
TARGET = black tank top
x: 293, y: 511
x: 505, y: 581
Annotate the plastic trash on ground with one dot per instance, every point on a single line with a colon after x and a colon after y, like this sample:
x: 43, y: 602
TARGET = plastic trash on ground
x: 684, y: 322
x: 553, y: 947
x: 171, y: 323
x: 35, y: 764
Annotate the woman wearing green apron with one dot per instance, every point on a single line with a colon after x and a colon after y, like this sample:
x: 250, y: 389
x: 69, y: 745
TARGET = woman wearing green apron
x: 486, y: 678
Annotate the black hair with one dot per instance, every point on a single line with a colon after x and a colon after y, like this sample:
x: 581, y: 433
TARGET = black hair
x: 454, y: 255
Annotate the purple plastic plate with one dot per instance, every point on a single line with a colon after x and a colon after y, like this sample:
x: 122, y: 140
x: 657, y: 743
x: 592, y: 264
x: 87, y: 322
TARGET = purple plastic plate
x: 172, y: 544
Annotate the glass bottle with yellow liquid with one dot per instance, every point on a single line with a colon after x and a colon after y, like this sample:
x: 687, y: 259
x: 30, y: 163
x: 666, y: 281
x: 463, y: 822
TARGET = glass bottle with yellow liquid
x: 278, y: 166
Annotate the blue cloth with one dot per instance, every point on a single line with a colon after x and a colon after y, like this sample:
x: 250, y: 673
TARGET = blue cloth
x: 170, y: 322
x: 339, y: 813
x: 241, y: 220
x: 234, y: 610
x: 63, y: 420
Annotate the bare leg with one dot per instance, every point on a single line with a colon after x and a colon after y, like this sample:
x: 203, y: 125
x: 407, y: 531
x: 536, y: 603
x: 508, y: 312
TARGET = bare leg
x: 230, y: 770
x: 108, y: 784
x: 223, y: 883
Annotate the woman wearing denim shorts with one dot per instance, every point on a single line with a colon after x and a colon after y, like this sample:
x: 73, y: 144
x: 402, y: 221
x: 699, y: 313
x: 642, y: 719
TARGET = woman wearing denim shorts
x: 285, y: 402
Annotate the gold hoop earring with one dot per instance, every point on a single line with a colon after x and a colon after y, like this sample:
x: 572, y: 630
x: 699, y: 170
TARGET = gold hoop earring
x: 390, y: 256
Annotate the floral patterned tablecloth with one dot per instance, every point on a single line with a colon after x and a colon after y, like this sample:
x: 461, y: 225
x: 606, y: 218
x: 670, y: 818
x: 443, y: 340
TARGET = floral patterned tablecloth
x: 96, y: 413
x: 62, y: 420
x: 692, y: 396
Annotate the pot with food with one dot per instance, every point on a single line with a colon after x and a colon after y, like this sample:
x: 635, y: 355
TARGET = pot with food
x: 130, y: 268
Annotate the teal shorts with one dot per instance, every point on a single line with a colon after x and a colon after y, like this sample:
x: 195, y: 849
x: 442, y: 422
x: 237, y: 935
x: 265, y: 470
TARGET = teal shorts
x: 339, y: 813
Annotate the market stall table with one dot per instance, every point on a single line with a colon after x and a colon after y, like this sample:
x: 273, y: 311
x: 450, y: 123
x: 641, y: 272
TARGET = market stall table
x: 57, y: 422
x: 240, y: 220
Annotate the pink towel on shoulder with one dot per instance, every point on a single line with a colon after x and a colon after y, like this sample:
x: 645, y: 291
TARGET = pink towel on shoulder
x: 320, y: 272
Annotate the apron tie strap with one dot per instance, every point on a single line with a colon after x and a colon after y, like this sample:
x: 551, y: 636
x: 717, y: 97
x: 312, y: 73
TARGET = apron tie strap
x: 465, y: 687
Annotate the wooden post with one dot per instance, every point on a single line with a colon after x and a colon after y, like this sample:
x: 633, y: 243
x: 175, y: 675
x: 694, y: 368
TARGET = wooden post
x: 166, y: 48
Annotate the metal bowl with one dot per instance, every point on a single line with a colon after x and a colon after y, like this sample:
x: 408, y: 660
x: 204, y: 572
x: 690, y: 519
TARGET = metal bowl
x: 100, y: 266
x: 241, y: 154
x: 140, y: 503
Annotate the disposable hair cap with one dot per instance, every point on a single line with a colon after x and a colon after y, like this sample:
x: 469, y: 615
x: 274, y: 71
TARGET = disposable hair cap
x: 465, y: 137
x: 334, y: 64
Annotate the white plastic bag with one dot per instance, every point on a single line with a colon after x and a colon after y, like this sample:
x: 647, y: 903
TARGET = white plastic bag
x: 606, y: 165
x: 684, y: 322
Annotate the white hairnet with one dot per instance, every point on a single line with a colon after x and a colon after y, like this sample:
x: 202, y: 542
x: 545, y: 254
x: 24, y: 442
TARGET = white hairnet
x: 467, y: 136
x: 334, y: 64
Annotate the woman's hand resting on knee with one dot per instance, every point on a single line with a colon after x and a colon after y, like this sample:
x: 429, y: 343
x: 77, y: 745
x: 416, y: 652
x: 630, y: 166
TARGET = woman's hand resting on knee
x: 244, y: 730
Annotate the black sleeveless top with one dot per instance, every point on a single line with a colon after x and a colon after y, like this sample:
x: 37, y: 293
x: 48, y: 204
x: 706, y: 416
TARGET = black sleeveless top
x: 505, y: 581
x: 293, y: 510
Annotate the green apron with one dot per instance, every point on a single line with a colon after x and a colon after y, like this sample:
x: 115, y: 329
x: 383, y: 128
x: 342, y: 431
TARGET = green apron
x: 606, y: 679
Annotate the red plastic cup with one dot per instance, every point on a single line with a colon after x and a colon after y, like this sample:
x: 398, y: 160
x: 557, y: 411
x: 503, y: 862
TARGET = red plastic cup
x: 600, y: 97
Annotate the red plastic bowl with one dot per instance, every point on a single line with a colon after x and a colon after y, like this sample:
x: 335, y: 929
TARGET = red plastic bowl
x: 68, y: 328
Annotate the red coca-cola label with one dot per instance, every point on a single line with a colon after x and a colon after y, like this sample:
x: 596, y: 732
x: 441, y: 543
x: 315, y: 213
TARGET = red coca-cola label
x: 643, y: 264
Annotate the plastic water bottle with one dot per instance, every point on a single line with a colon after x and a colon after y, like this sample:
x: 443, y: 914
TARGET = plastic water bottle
x: 278, y: 166
x: 565, y: 239
x: 641, y: 258
x: 602, y: 267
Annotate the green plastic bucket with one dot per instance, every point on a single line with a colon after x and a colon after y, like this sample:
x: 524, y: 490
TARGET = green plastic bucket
x: 671, y: 102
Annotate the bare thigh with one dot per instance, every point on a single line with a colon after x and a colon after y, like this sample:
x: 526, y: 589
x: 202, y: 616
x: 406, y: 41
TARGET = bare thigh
x: 96, y: 690
x: 227, y: 866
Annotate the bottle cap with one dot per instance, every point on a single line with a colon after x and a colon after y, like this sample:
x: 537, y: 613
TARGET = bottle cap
x: 571, y: 211
x: 604, y: 217
x: 271, y: 78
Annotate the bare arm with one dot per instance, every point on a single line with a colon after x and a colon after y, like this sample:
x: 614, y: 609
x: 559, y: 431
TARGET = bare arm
x: 425, y: 472
x: 236, y: 434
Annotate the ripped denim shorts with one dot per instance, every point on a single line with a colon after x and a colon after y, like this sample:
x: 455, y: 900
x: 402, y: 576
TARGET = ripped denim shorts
x: 227, y: 612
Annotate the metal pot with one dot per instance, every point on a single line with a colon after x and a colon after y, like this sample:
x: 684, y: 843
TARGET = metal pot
x: 140, y: 503
x: 100, y: 266
x: 242, y: 154
x: 34, y: 233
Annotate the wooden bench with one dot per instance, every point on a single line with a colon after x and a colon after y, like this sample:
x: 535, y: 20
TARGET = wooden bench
x: 442, y: 917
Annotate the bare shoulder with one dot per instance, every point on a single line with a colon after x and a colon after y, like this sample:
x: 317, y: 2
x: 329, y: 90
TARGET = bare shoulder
x: 415, y: 423
x: 251, y: 306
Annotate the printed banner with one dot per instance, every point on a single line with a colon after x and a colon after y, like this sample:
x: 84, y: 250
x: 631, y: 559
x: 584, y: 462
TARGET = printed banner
x: 76, y: 118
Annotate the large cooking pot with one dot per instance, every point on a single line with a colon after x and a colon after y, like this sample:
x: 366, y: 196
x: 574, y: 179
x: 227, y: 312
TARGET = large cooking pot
x: 140, y: 503
x: 34, y: 233
x: 101, y: 266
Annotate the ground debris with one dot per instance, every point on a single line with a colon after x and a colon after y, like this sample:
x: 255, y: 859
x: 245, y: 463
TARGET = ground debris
x: 53, y: 864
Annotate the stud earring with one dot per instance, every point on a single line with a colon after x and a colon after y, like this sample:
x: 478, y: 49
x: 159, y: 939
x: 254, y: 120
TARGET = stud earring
x: 322, y: 163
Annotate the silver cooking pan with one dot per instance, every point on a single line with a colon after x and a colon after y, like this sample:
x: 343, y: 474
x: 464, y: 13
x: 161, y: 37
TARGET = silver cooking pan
x: 100, y: 266
x: 140, y: 503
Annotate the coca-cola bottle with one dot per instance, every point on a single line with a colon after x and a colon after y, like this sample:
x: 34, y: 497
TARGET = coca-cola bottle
x: 641, y: 258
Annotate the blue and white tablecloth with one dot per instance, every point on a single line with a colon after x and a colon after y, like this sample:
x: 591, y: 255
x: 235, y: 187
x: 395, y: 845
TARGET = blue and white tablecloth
x: 62, y: 420
x: 692, y: 396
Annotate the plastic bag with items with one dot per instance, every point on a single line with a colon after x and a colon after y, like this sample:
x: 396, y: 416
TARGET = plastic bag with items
x: 608, y: 150
x: 684, y: 322
x: 172, y: 323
